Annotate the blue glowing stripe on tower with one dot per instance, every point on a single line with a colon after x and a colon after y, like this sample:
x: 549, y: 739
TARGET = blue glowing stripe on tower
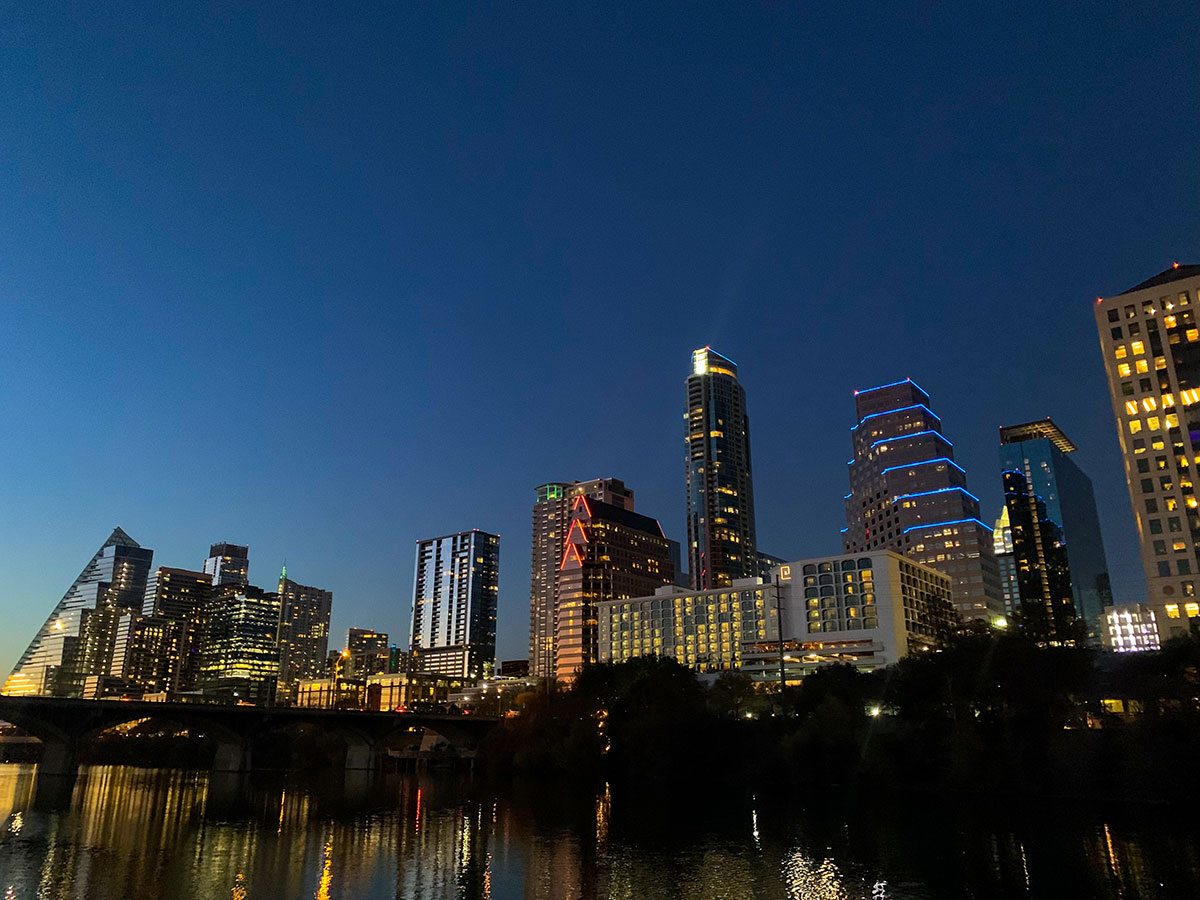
x: 893, y: 384
x: 927, y: 462
x: 848, y: 496
x: 844, y: 530
x: 901, y: 409
x: 938, y: 491
x: 941, y: 524
x: 904, y: 437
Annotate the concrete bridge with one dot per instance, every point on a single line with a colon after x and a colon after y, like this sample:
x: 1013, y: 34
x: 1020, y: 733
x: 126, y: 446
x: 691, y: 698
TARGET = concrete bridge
x: 65, y: 725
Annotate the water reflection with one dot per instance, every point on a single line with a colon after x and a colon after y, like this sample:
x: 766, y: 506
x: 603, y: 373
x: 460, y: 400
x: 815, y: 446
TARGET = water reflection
x: 133, y: 833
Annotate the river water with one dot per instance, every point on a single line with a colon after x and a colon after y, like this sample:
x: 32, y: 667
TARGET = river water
x: 117, y: 832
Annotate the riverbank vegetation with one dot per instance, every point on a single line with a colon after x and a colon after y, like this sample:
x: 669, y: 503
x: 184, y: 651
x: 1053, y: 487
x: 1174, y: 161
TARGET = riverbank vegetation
x: 990, y: 713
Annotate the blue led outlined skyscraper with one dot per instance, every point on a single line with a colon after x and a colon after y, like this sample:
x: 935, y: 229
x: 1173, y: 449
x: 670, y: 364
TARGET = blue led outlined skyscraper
x: 720, y: 487
x: 1039, y: 451
x: 907, y: 494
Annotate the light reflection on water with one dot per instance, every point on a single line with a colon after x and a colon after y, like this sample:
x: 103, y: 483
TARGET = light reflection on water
x: 119, y: 832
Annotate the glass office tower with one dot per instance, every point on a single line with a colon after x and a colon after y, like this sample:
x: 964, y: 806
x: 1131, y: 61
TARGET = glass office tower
x: 1046, y: 610
x: 80, y: 636
x: 1039, y: 451
x: 720, y: 488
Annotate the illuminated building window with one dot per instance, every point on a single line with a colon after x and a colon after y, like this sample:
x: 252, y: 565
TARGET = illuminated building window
x: 1131, y: 407
x: 1141, y: 366
x: 1124, y: 370
x: 1137, y: 347
x: 1135, y: 425
x: 1192, y: 610
x: 1121, y: 352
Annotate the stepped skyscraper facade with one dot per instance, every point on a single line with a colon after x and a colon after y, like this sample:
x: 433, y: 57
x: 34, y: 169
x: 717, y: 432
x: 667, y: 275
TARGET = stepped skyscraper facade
x: 721, y: 543
x: 87, y: 626
x: 909, y: 495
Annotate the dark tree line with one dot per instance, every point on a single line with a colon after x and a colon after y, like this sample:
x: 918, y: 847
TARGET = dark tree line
x: 990, y: 713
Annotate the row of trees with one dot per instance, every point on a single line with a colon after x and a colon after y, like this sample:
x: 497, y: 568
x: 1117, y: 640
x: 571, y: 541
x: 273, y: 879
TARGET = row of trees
x: 989, y: 712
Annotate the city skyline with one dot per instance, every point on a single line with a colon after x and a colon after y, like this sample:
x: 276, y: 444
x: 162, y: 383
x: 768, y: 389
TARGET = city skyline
x: 327, y: 291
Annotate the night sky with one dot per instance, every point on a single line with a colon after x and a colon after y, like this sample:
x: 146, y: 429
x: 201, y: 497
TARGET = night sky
x: 326, y: 281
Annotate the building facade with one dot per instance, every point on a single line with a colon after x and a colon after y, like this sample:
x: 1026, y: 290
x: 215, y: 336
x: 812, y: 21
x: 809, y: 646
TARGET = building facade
x: 367, y: 652
x: 869, y: 610
x: 455, y: 590
x: 304, y: 613
x: 1046, y: 608
x: 704, y: 630
x: 81, y: 634
x: 181, y: 596
x: 1150, y: 338
x: 907, y: 494
x: 1002, y: 546
x: 721, y: 539
x: 228, y: 564
x: 1130, y: 628
x: 551, y: 516
x: 239, y: 659
x: 1042, y: 453
x: 609, y: 553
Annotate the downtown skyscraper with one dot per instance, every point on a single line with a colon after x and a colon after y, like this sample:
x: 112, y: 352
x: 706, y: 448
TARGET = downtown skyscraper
x: 87, y: 627
x: 907, y: 494
x: 551, y: 516
x: 1042, y: 455
x: 1150, y: 338
x: 303, y: 632
x: 610, y: 553
x: 721, y: 544
x: 455, y: 589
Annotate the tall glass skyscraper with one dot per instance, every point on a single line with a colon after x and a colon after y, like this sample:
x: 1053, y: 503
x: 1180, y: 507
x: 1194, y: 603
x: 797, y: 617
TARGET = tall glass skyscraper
x: 720, y: 488
x: 1046, y: 611
x: 455, y: 589
x: 79, y: 638
x: 909, y: 495
x: 1039, y: 451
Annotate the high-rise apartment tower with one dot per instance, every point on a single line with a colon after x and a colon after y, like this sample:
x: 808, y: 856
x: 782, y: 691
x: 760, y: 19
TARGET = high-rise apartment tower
x: 720, y: 490
x: 1150, y: 337
x: 909, y: 495
x: 455, y: 590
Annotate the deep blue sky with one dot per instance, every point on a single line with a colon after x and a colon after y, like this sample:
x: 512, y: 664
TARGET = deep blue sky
x: 329, y: 280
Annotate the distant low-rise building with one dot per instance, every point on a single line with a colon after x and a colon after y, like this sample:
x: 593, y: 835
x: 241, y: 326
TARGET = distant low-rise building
x: 1130, y: 628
